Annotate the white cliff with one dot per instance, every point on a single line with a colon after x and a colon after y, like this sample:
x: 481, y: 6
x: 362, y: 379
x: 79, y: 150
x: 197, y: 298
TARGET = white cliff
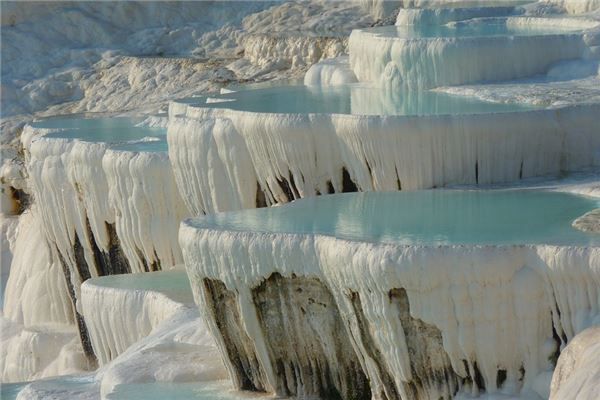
x: 577, y: 374
x: 393, y: 57
x: 121, y: 310
x: 423, y: 321
x: 289, y: 156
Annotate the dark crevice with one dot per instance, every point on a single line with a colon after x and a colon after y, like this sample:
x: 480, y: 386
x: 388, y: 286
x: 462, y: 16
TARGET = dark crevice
x: 80, y: 261
x: 369, y: 169
x: 478, y: 378
x: 398, y: 182
x: 293, y: 186
x: 261, y: 199
x: 111, y: 263
x: 330, y: 188
x: 20, y: 199
x: 521, y: 373
x: 521, y: 171
x: 500, y: 377
x: 348, y: 184
x: 142, y: 259
x: 155, y: 265
x: 558, y: 314
x: 117, y: 260
x: 222, y: 306
x: 430, y: 365
x: 390, y: 391
x: 306, y: 340
x: 477, y: 172
x: 554, y: 356
x: 285, y: 187
x: 84, y: 336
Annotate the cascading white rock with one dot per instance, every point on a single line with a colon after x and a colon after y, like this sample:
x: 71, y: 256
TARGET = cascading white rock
x: 577, y: 369
x: 38, y: 335
x: 8, y: 238
x: 380, y: 8
x: 94, y: 204
x: 101, y: 198
x: 332, y: 72
x: 500, y: 312
x: 147, y: 207
x: 289, y: 156
x: 214, y: 156
x: 36, y: 293
x: 396, y: 62
x: 117, y: 316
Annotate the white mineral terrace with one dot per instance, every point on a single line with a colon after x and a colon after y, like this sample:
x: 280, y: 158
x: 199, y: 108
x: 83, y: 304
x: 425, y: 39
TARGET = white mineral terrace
x: 427, y: 293
x: 119, y: 310
x: 467, y: 266
x: 292, y: 142
x: 478, y: 50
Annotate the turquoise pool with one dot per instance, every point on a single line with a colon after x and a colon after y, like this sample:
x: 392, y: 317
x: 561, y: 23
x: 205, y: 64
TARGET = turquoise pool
x: 173, y: 283
x: 112, y: 130
x: 433, y: 217
x: 358, y: 99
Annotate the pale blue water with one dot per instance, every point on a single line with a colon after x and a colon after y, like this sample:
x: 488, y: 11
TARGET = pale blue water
x: 9, y: 391
x: 358, y: 99
x: 81, y: 121
x: 66, y: 387
x: 175, y: 283
x: 220, y: 390
x: 434, y: 217
x: 485, y: 27
x: 112, y: 130
x: 61, y: 387
x: 153, y: 146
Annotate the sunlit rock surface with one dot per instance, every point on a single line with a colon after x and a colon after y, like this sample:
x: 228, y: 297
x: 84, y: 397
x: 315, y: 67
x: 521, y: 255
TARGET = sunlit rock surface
x: 95, y: 203
x: 95, y: 200
x: 491, y: 312
x: 248, y: 152
x: 577, y: 373
x: 120, y: 310
x: 505, y: 48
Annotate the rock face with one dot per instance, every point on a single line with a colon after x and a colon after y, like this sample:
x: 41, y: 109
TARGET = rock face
x: 227, y: 160
x: 120, y: 311
x: 423, y: 322
x: 397, y: 61
x: 589, y: 222
x: 102, y: 211
x: 306, y: 340
x: 577, y: 371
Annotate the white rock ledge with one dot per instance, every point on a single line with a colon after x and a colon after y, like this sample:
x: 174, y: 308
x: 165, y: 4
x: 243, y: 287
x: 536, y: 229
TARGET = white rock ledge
x: 120, y: 310
x: 226, y: 159
x: 428, y: 62
x: 420, y: 322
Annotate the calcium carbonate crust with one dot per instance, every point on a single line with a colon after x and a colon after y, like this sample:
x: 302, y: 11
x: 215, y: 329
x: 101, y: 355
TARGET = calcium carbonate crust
x: 226, y: 159
x: 497, y: 314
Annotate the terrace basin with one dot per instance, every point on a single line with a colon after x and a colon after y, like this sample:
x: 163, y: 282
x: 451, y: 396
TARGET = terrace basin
x: 416, y: 295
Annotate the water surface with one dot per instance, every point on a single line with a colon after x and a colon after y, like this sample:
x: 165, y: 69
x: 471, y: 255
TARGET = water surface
x: 357, y: 99
x: 111, y: 130
x: 219, y: 390
x: 431, y: 217
x: 174, y: 283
